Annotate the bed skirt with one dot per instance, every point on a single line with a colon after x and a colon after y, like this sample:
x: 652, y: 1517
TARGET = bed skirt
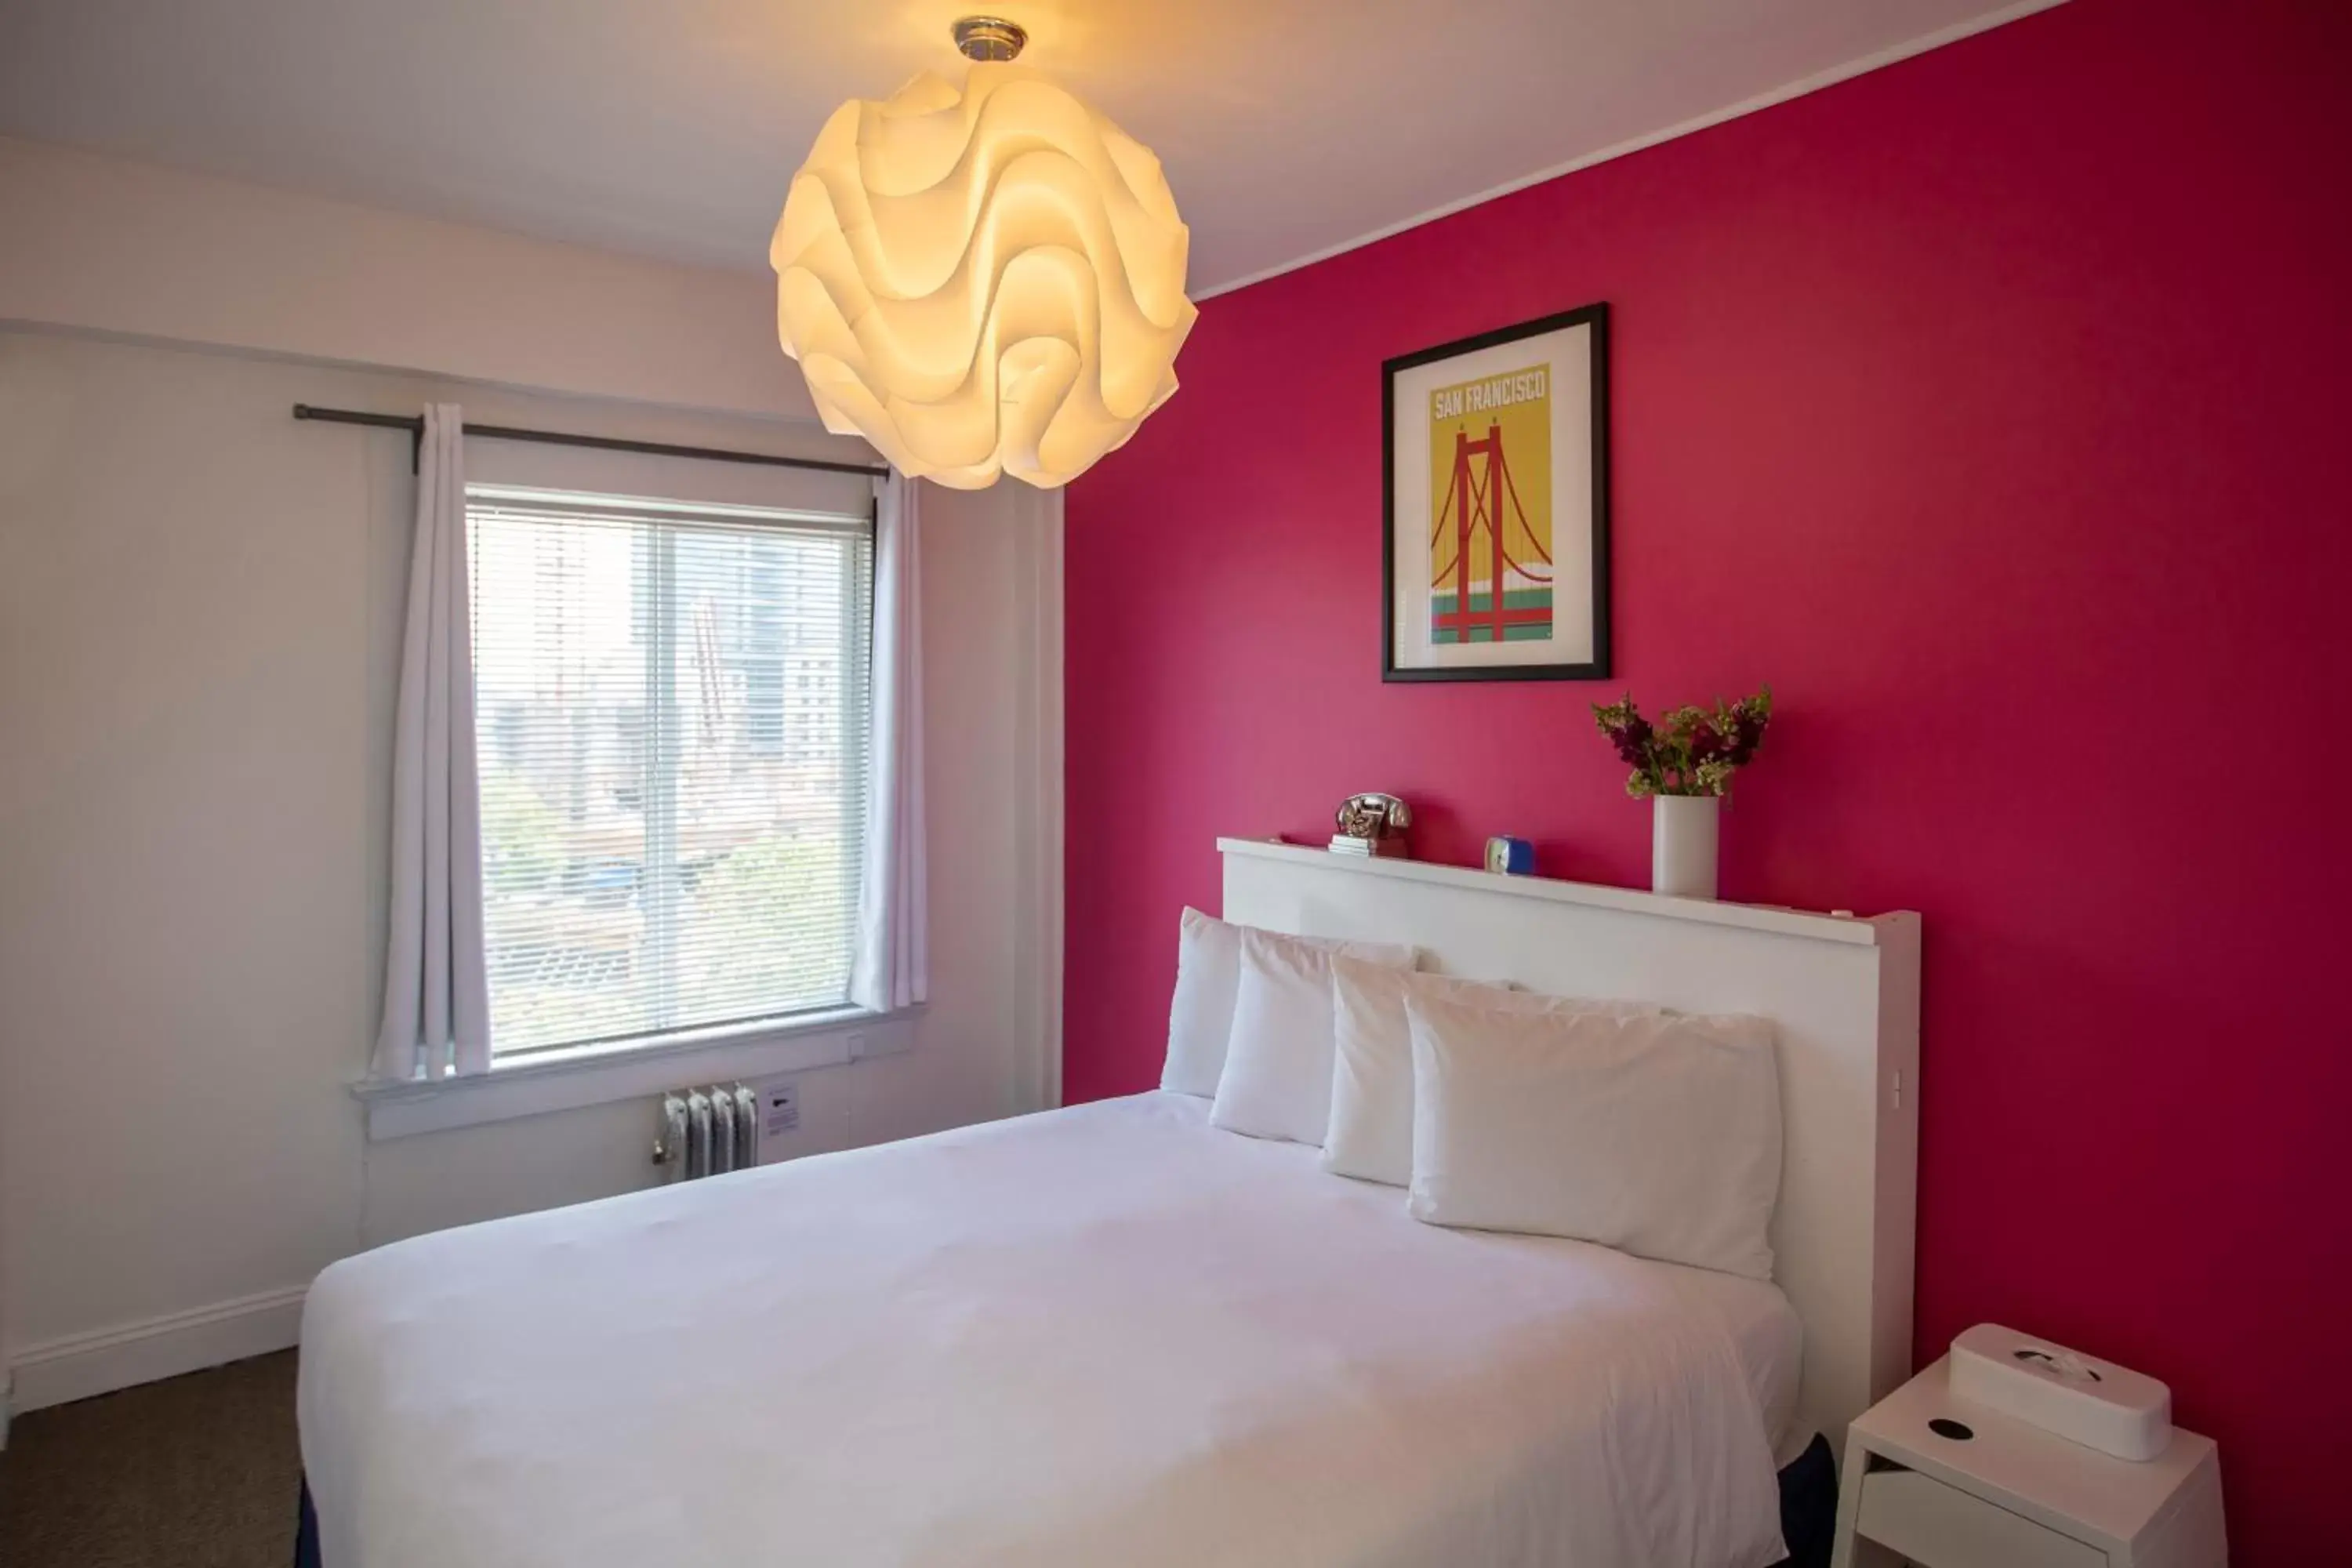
x: 305, y: 1530
x: 1808, y: 1512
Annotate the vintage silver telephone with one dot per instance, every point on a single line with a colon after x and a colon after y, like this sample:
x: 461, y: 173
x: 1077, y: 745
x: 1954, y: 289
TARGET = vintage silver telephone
x: 1371, y: 824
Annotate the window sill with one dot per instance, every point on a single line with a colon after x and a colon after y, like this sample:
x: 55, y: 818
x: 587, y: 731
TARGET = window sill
x: 599, y: 1075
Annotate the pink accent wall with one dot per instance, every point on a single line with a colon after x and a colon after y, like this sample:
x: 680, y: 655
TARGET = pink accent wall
x: 1993, y: 407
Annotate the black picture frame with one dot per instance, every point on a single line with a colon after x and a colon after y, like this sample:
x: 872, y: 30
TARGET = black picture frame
x: 1595, y: 317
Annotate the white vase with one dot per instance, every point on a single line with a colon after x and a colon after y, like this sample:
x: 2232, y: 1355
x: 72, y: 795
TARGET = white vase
x: 1682, y: 845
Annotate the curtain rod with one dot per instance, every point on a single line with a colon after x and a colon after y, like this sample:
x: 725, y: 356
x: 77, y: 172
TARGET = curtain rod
x: 415, y: 426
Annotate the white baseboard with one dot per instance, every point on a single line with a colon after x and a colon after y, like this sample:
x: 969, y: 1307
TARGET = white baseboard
x: 80, y: 1365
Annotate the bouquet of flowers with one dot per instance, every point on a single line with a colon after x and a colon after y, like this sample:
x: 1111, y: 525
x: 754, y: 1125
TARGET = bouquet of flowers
x: 1691, y: 751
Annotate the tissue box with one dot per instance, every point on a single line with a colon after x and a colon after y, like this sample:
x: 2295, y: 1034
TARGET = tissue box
x: 2095, y: 1402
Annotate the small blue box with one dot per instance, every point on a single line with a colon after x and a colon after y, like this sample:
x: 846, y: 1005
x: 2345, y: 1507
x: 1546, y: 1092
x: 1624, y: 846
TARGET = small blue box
x: 1511, y: 856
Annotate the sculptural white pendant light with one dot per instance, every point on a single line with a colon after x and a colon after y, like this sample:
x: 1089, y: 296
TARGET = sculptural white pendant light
x: 982, y: 281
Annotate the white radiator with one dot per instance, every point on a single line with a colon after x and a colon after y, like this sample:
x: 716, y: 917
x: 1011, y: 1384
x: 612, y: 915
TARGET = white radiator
x: 707, y: 1132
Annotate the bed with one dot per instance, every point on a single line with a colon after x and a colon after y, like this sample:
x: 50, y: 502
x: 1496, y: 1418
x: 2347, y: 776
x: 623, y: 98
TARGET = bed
x: 1115, y: 1335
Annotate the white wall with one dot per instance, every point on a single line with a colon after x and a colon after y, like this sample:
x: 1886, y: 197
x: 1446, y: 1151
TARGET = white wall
x: 199, y: 600
x: 112, y: 244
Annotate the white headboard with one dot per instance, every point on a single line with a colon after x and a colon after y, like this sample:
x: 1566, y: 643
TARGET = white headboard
x: 1844, y: 996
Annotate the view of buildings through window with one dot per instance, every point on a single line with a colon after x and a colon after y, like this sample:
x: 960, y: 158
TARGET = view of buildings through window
x: 670, y: 707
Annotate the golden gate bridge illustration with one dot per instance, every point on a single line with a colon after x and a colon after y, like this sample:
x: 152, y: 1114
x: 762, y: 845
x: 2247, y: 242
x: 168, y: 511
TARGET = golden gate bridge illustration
x: 1474, y: 504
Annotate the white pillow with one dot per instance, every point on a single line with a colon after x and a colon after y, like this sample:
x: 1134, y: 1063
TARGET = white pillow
x: 1278, y: 1077
x: 1201, y: 1012
x: 1658, y: 1135
x: 1371, y: 1134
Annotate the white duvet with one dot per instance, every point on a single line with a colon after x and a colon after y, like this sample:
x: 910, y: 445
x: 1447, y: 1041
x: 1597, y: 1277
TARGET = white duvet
x: 1106, y: 1335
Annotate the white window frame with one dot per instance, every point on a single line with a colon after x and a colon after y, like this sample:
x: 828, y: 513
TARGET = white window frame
x: 570, y: 1078
x: 560, y: 1077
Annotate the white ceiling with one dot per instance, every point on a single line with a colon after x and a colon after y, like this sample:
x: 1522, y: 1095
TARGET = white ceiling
x: 670, y: 127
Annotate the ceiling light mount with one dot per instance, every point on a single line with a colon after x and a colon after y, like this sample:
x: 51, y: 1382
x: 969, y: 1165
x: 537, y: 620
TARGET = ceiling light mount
x: 988, y: 37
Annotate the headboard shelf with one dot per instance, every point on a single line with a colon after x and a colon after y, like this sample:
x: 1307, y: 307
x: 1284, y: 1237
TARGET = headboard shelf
x: 1843, y: 997
x: 1750, y: 917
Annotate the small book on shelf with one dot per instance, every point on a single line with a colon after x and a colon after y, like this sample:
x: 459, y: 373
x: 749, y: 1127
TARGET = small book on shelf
x: 1391, y: 847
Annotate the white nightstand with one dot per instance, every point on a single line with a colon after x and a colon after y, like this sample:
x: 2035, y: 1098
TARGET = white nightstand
x: 2015, y: 1496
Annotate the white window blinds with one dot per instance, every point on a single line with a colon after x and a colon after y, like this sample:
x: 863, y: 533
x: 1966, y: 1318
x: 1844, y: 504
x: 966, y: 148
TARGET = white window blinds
x: 671, y: 714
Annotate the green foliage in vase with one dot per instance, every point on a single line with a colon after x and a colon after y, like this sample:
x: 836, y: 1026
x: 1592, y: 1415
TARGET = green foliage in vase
x: 1690, y: 751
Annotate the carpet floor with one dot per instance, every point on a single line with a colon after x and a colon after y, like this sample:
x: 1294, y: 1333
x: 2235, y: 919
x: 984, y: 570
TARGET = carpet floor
x: 200, y: 1471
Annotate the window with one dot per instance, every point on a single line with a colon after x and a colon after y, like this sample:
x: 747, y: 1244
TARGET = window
x: 671, y: 725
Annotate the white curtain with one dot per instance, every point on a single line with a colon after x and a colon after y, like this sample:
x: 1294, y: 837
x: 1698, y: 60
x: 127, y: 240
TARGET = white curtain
x: 892, y: 964
x: 436, y: 1010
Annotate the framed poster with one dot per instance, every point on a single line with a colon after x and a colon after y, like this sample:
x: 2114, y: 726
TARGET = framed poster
x: 1496, y: 537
